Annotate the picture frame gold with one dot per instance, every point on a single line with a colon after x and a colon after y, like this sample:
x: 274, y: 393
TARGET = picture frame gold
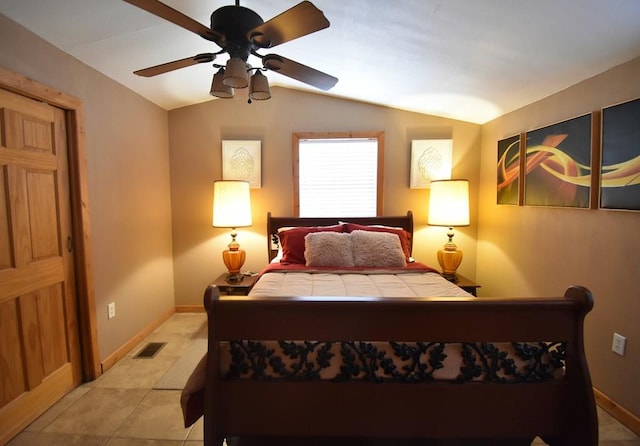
x: 509, y: 189
x: 620, y: 157
x: 558, y: 164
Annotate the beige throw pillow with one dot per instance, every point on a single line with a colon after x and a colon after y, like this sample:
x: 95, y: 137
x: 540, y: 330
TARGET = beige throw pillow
x: 328, y: 249
x: 377, y: 249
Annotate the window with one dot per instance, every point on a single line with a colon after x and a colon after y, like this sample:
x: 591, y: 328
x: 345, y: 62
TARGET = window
x: 338, y: 174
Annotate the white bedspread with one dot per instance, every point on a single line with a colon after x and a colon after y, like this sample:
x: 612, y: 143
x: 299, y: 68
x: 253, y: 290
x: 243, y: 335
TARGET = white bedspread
x: 379, y: 284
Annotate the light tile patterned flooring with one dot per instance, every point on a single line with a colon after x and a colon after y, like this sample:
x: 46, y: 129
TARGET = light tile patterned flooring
x: 121, y: 408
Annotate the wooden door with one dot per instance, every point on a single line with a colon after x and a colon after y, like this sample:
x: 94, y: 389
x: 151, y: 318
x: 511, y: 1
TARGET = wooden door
x: 39, y: 346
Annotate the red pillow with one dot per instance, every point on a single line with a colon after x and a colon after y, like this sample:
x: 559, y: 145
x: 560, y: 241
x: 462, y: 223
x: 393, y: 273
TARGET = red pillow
x: 404, y: 236
x: 292, y: 241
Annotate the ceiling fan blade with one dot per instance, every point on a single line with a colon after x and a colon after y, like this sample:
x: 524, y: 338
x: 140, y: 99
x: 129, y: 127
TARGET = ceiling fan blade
x: 299, y: 72
x: 302, y: 19
x: 175, y: 65
x: 166, y: 12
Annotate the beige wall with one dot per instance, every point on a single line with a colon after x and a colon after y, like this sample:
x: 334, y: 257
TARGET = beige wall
x: 531, y: 251
x: 196, y: 133
x: 128, y: 179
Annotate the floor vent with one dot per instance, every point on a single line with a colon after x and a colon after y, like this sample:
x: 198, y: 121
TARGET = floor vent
x: 150, y: 350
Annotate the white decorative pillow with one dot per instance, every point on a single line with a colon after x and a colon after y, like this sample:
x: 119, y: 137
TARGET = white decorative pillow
x: 328, y: 249
x: 377, y: 249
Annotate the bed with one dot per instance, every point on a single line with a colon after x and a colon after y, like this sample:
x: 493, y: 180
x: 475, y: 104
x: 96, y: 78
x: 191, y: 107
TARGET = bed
x: 439, y: 368
x: 347, y: 257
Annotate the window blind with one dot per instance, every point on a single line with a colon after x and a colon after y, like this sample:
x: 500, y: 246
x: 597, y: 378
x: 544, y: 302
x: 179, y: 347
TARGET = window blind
x: 338, y: 177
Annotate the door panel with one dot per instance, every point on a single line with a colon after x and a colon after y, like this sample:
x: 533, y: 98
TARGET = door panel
x: 12, y: 378
x: 41, y: 196
x: 39, y: 342
x: 30, y: 340
x: 5, y: 246
x: 51, y: 317
x: 26, y: 132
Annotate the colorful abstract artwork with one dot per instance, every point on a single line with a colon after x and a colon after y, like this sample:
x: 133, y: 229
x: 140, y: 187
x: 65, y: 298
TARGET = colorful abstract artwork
x: 620, y: 171
x: 558, y: 164
x: 508, y: 181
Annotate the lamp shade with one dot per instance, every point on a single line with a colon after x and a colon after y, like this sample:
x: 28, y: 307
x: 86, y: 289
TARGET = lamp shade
x: 449, y: 203
x: 231, y: 204
x: 218, y: 88
x: 235, y: 75
x: 259, y: 87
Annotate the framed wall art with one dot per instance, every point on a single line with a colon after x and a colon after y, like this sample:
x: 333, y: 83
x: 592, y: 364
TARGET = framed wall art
x: 620, y: 170
x: 508, y: 171
x: 431, y: 159
x: 558, y: 164
x: 241, y: 160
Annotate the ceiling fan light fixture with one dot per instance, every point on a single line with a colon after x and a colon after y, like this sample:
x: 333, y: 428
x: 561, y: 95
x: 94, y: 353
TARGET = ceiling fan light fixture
x: 235, y: 75
x: 240, y: 32
x: 218, y: 88
x: 259, y: 89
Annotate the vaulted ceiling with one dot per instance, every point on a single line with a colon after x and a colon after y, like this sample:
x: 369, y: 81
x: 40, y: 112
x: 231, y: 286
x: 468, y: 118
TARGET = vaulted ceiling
x: 472, y: 60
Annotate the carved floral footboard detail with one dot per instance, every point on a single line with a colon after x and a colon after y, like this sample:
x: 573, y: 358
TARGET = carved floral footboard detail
x: 415, y: 362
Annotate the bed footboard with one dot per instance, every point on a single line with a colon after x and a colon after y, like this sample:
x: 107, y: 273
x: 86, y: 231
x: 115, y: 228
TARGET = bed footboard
x: 561, y: 411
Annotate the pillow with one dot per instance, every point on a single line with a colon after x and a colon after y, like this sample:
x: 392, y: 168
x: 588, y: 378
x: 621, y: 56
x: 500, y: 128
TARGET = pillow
x: 292, y: 241
x: 328, y: 249
x: 377, y: 249
x: 192, y: 396
x: 404, y: 236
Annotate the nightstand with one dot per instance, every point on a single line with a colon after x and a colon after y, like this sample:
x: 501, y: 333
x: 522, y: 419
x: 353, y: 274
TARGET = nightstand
x: 239, y: 288
x: 468, y: 285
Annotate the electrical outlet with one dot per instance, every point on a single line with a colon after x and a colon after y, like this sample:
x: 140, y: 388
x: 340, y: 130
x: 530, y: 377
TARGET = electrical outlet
x: 111, y: 310
x: 619, y: 343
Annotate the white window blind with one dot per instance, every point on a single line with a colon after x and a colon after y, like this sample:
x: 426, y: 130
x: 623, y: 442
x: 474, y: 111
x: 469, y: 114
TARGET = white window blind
x: 338, y: 177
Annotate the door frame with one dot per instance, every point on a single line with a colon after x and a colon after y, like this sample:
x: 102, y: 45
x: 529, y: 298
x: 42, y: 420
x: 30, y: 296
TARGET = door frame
x: 79, y: 202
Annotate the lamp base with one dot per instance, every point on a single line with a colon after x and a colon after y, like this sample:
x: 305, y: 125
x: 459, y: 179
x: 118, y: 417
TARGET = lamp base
x: 234, y: 259
x: 449, y: 258
x: 453, y: 278
x: 234, y: 277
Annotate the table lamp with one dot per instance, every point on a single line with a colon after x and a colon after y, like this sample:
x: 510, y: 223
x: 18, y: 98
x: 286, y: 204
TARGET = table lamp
x: 232, y: 209
x: 449, y: 206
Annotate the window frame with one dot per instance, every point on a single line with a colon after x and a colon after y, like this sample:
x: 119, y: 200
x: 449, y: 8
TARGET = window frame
x: 295, y: 146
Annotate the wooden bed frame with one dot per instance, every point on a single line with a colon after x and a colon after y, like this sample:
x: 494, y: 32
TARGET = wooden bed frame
x: 318, y: 412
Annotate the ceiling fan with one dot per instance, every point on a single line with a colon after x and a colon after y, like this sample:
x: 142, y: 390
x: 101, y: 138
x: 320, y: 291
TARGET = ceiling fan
x: 241, y: 32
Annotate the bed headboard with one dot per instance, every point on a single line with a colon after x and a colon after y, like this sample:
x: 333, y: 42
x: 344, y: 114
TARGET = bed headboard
x: 273, y: 223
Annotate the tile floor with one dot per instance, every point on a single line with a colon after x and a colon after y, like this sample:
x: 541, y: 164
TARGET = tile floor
x: 121, y: 408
